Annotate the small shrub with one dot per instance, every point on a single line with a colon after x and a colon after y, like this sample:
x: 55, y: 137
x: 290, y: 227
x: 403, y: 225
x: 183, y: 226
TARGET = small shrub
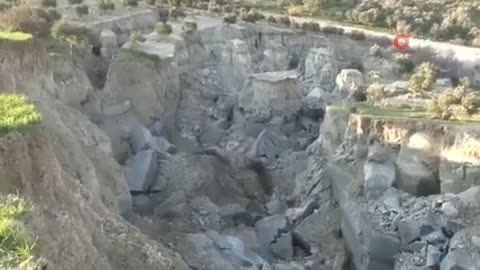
x: 406, y: 64
x: 163, y: 29
x: 189, y: 26
x: 49, y: 3
x: 23, y: 18
x: 422, y: 81
x: 176, y: 13
x: 285, y: 20
x: 311, y: 26
x: 5, y: 6
x: 471, y: 102
x: 81, y: 10
x: 214, y: 8
x: 105, y: 5
x: 227, y: 9
x: 16, y: 112
x: 75, y: 2
x: 230, y: 18
x: 135, y: 39
x: 73, y: 33
x: 357, y: 35
x: 130, y: 3
x: 202, y: 5
x: 252, y: 16
x: 271, y: 19
x: 50, y: 15
x: 375, y: 92
x: 151, y: 2
x: 329, y: 29
x: 375, y: 50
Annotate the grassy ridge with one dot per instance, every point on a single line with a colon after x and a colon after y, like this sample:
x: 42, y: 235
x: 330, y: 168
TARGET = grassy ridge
x: 16, y: 112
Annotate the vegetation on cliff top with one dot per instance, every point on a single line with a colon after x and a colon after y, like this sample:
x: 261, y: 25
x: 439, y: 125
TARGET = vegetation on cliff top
x: 15, y: 36
x: 17, y: 245
x: 16, y: 112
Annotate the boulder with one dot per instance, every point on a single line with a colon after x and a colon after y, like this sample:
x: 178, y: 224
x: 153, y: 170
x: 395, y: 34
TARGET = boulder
x: 321, y: 68
x: 157, y: 128
x: 141, y: 169
x: 214, y: 251
x: 378, y: 178
x: 320, y: 228
x: 288, y: 266
x: 464, y: 251
x: 117, y: 109
x: 418, y: 166
x: 212, y: 135
x: 163, y: 145
x: 269, y: 145
x: 349, y: 81
x: 272, y: 93
x: 142, y: 203
x: 141, y: 139
x: 459, y: 167
x: 275, y: 240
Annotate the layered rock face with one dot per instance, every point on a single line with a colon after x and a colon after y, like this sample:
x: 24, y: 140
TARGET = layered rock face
x: 66, y: 169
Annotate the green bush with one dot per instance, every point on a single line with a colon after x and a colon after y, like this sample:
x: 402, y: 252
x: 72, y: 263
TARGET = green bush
x: 375, y: 92
x: 17, y: 244
x: 252, y: 16
x: 16, y: 112
x: 75, y: 2
x: 135, y: 39
x: 202, y: 5
x: 285, y: 20
x: 422, y: 81
x: 81, y: 10
x: 130, y: 3
x: 329, y: 29
x: 73, y: 33
x: 163, y: 29
x: 176, y: 13
x: 151, y: 2
x: 23, y: 18
x: 214, y: 8
x: 230, y: 18
x: 357, y: 35
x: 227, y: 9
x: 105, y: 5
x: 271, y: 19
x: 189, y: 26
x: 49, y: 3
x: 311, y: 26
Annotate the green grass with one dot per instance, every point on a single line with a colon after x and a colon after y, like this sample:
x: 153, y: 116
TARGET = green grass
x: 16, y: 112
x: 17, y: 245
x: 15, y: 36
x: 136, y: 54
x: 386, y: 113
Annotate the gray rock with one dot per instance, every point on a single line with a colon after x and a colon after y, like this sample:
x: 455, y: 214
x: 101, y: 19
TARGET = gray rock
x: 108, y: 39
x: 157, y: 128
x: 274, y: 238
x: 417, y: 170
x: 125, y: 204
x: 163, y: 145
x: 141, y: 139
x: 321, y: 67
x: 276, y: 207
x: 142, y: 203
x: 288, y: 266
x: 378, y: 178
x: 349, y: 80
x: 117, y: 109
x: 272, y: 93
x: 141, y: 169
x: 458, y: 260
x: 212, y: 135
x: 433, y: 256
x: 269, y: 145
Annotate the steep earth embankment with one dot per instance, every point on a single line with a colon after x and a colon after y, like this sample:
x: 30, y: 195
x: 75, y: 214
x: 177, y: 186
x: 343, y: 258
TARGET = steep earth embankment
x: 64, y: 167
